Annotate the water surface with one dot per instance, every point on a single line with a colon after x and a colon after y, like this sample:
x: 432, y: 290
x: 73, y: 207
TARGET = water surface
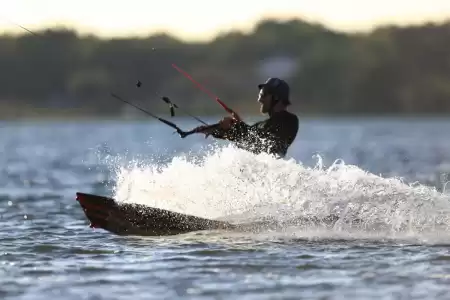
x: 391, y: 174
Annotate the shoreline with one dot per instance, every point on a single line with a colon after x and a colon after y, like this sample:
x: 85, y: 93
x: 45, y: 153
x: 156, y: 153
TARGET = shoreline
x: 302, y: 116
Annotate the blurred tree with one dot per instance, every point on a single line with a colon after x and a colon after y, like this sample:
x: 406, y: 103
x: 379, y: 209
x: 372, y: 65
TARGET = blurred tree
x: 389, y: 70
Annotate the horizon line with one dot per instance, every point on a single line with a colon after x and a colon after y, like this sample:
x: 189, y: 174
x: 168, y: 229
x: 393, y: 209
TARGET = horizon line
x: 21, y: 30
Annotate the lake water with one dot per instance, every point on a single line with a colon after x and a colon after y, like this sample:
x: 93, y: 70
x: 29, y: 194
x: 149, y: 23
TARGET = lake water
x: 391, y: 173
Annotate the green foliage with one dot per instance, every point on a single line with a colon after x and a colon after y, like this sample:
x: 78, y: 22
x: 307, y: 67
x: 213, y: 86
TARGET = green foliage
x: 389, y: 70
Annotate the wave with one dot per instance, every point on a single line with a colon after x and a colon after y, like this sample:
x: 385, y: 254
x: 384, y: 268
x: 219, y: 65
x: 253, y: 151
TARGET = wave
x: 235, y: 185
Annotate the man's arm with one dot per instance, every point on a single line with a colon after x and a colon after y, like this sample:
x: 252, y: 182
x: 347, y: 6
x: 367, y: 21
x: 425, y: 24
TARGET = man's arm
x: 257, y: 138
x: 270, y: 136
x: 266, y: 136
x: 237, y: 132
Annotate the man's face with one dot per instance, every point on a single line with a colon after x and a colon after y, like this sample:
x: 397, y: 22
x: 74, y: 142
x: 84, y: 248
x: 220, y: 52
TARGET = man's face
x: 265, y: 99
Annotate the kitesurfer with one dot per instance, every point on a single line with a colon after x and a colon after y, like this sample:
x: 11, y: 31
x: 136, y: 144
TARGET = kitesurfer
x: 273, y: 135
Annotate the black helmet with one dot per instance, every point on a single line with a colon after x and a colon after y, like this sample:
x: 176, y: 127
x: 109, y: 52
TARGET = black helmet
x: 277, y: 87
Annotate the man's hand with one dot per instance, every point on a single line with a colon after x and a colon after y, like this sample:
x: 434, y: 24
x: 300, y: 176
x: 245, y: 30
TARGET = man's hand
x: 205, y: 129
x: 201, y: 128
x: 227, y: 122
x: 224, y: 124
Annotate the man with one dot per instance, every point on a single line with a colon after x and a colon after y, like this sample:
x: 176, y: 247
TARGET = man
x: 273, y: 135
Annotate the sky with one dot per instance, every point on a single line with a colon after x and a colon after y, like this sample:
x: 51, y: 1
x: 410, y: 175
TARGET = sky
x: 202, y: 20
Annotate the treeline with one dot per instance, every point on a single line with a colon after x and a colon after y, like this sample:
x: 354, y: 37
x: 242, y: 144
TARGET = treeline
x: 402, y: 70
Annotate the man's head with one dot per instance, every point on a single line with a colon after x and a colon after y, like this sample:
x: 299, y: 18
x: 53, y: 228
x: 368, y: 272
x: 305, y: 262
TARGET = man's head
x: 274, y: 93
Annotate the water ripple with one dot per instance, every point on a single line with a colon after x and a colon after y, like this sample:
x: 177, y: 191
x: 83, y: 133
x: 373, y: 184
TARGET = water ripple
x: 48, y: 251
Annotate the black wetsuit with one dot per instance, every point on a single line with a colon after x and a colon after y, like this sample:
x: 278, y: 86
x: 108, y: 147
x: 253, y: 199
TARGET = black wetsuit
x: 273, y: 136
